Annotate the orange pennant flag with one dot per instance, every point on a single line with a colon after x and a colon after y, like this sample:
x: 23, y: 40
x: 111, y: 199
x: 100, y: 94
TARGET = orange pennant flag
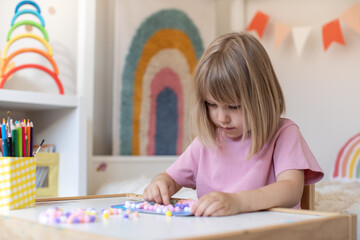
x: 258, y: 23
x: 331, y: 32
x: 351, y: 18
x: 281, y: 32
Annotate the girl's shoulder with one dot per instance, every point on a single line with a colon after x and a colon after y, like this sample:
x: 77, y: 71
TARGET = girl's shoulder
x: 196, y: 144
x: 285, y: 123
x: 287, y: 128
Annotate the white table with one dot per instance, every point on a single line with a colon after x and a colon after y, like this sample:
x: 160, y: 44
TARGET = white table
x: 272, y: 224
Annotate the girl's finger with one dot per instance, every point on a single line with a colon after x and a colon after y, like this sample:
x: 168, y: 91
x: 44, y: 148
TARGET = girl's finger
x: 202, y: 205
x: 213, y: 208
x: 145, y: 194
x: 164, y: 193
x: 156, y: 195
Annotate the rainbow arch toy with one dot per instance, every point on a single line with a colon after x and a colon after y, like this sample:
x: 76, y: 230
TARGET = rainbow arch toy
x: 44, y: 39
x: 347, y: 164
x: 28, y: 11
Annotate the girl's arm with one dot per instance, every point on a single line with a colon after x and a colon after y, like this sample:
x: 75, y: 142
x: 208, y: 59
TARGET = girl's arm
x: 285, y: 192
x: 161, y: 188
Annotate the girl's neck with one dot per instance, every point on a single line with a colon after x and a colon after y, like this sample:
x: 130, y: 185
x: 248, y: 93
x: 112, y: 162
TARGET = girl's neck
x: 224, y: 138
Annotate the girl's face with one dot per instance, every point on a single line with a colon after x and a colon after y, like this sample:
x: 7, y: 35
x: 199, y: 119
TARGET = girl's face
x: 227, y: 117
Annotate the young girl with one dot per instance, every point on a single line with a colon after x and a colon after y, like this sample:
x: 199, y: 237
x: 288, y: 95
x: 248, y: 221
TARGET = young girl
x: 245, y: 157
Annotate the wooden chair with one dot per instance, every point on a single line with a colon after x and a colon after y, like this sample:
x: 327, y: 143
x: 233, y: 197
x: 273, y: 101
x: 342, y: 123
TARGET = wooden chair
x: 308, y: 197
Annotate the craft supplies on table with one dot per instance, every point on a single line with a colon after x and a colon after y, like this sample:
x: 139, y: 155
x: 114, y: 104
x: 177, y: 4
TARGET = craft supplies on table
x: 56, y: 215
x: 180, y: 207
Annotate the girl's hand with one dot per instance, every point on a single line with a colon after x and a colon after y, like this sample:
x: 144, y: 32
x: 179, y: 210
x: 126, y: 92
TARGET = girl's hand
x: 216, y: 204
x: 285, y: 192
x: 161, y: 188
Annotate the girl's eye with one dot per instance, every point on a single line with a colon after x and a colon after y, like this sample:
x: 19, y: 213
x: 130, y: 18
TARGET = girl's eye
x: 210, y: 104
x: 234, y: 107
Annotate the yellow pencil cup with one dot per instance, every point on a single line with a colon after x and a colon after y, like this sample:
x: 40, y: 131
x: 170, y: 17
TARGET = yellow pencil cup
x: 17, y: 182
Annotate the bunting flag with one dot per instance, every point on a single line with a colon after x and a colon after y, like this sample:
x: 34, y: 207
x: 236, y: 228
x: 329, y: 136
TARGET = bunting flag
x: 351, y: 18
x: 331, y: 32
x: 300, y: 35
x: 259, y: 23
x: 281, y: 32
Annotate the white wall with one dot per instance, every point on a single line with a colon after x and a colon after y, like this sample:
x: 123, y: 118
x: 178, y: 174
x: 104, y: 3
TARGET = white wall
x: 104, y: 52
x: 321, y: 88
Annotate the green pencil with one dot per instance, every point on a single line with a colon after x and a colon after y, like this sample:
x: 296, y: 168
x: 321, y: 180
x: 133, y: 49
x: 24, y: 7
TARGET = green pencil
x: 19, y: 138
x: 14, y: 139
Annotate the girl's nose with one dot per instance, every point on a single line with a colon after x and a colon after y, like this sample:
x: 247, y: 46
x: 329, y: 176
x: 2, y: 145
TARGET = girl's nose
x: 223, y: 117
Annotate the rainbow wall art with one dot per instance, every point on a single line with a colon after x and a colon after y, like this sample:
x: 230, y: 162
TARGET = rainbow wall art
x: 154, y: 100
x: 16, y: 22
x: 347, y: 165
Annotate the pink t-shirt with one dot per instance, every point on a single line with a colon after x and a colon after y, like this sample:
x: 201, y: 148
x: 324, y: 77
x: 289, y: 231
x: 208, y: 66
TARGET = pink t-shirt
x: 227, y: 170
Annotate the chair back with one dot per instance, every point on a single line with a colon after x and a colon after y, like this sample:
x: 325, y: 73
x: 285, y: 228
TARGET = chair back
x: 308, y: 197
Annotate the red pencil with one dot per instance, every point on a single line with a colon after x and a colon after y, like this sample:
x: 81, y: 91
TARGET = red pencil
x: 1, y: 150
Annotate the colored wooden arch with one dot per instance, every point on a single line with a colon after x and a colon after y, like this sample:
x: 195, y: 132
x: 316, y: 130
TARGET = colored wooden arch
x: 27, y: 2
x: 34, y: 50
x: 28, y: 22
x: 27, y: 35
x: 15, y: 69
x: 30, y: 11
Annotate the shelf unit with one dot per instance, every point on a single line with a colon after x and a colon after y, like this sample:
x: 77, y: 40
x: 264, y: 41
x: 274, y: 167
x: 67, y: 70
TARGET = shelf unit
x: 64, y: 120
x: 60, y: 120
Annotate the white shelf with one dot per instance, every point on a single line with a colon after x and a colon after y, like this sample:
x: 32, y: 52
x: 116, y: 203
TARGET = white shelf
x: 60, y: 120
x: 63, y: 119
x: 24, y: 100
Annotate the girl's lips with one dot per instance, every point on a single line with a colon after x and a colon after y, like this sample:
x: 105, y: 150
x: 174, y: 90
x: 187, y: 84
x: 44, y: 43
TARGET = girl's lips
x: 227, y: 128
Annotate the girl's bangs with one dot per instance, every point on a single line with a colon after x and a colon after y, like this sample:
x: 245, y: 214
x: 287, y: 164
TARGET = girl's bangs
x: 220, y: 85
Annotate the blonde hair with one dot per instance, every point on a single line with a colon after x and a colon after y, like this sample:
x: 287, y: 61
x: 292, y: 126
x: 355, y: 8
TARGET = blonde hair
x: 236, y: 68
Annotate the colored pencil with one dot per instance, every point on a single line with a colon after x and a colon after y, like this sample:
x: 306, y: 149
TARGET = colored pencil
x: 23, y: 135
x: 19, y: 131
x: 1, y: 150
x: 4, y: 139
x: 31, y: 138
x: 9, y: 138
x: 28, y: 138
x: 14, y: 140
